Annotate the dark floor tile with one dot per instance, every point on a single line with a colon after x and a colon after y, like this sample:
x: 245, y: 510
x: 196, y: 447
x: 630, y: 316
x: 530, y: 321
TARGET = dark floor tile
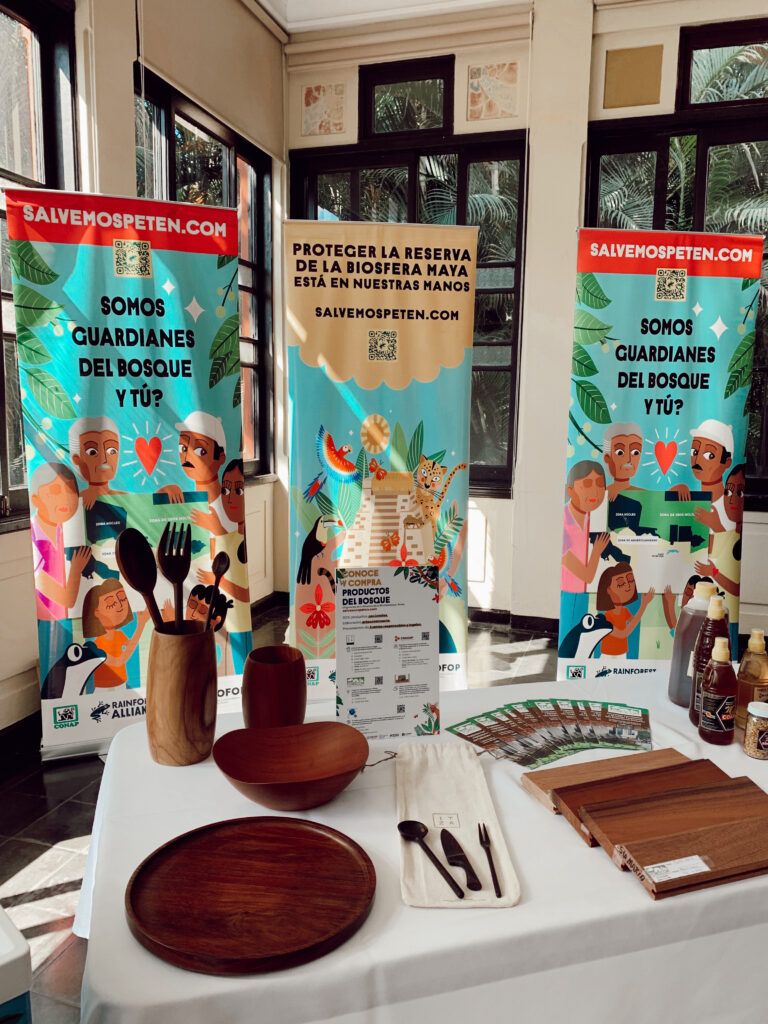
x: 18, y: 860
x: 90, y: 794
x: 59, y: 781
x: 13, y: 769
x: 65, y: 824
x: 19, y: 810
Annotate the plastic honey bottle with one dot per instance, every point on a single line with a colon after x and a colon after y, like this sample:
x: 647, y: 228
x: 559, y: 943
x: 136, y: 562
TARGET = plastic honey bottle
x: 715, y: 625
x: 752, y: 676
x: 692, y: 617
x: 718, y: 696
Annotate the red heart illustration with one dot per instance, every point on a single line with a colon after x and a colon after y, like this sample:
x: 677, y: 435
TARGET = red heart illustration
x: 665, y: 454
x: 148, y: 451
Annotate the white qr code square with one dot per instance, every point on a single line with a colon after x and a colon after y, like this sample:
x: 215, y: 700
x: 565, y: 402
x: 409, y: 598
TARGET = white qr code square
x: 132, y: 258
x: 382, y: 346
x: 671, y: 284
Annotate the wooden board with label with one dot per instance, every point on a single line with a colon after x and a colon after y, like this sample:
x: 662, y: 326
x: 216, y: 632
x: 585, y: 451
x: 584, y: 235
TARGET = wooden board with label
x: 691, y: 775
x: 541, y: 783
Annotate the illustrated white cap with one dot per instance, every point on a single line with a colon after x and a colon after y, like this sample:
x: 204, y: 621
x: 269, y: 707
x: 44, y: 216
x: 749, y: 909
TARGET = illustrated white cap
x: 205, y: 424
x: 714, y: 430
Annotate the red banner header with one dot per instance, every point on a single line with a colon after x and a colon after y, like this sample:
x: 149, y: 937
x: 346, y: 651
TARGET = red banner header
x: 77, y: 218
x: 607, y: 251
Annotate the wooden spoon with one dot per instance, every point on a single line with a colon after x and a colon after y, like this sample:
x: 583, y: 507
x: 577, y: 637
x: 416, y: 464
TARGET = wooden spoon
x: 137, y: 565
x: 219, y: 569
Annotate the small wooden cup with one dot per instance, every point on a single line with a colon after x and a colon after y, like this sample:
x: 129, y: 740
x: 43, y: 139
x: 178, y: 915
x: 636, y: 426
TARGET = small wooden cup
x: 274, y: 687
x: 181, y: 694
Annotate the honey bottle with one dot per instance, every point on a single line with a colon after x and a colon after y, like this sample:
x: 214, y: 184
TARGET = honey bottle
x: 752, y: 676
x: 718, y: 696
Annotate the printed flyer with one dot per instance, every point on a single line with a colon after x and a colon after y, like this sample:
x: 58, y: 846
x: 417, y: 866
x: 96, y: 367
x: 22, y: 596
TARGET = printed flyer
x: 387, y: 682
x: 128, y: 350
x: 663, y: 341
x: 380, y: 325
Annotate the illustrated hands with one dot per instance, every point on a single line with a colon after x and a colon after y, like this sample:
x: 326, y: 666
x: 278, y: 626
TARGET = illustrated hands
x: 206, y: 577
x: 80, y: 558
x: 166, y: 611
x: 601, y: 543
x: 142, y: 618
x: 705, y: 568
x: 174, y: 492
x: 208, y: 521
x: 709, y: 517
x: 683, y: 491
x: 646, y: 599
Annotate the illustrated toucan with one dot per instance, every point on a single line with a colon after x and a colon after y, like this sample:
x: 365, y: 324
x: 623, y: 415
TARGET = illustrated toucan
x: 313, y: 545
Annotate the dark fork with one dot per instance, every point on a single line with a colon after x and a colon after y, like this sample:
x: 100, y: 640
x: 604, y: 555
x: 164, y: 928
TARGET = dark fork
x: 174, y: 555
x: 485, y: 842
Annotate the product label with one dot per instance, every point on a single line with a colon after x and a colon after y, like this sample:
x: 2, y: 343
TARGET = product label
x: 697, y: 678
x: 718, y: 713
x: 666, y: 870
x: 759, y: 693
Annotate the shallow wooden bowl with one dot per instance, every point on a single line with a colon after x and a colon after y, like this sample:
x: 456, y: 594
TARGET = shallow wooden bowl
x: 292, y: 767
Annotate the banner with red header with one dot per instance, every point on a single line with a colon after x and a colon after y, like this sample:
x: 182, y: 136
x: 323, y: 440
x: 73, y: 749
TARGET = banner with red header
x: 663, y: 341
x: 127, y: 333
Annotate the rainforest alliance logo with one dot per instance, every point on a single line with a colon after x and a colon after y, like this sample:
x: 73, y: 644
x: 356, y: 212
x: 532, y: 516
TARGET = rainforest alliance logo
x: 65, y: 716
x: 99, y: 711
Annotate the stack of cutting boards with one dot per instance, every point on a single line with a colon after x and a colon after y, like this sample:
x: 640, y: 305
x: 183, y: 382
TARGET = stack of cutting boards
x: 678, y: 824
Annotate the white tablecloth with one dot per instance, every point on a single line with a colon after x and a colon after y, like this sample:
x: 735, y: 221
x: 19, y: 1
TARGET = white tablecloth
x: 586, y: 943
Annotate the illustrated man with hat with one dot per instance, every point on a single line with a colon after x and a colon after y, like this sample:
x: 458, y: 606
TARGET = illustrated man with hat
x: 202, y: 453
x: 711, y: 456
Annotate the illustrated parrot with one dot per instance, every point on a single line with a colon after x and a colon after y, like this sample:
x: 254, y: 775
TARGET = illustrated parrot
x: 442, y: 561
x: 334, y: 460
x: 315, y: 487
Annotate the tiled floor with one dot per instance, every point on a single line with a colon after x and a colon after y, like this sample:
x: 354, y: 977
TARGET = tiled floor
x: 46, y: 817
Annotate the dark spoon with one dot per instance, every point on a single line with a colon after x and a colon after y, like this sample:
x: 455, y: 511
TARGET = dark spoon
x: 414, y: 832
x: 218, y: 568
x: 136, y: 562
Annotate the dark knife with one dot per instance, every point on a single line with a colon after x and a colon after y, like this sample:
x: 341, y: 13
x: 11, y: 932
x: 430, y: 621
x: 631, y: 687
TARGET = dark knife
x: 458, y: 859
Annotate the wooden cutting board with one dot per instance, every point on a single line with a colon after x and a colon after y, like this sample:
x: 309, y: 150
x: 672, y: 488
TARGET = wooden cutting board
x: 690, y: 775
x: 621, y: 822
x: 541, y: 783
x: 250, y: 895
x: 701, y: 858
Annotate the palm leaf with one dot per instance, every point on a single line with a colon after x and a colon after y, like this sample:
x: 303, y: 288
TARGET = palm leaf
x: 226, y: 341
x: 398, y: 449
x: 415, y: 447
x: 740, y: 365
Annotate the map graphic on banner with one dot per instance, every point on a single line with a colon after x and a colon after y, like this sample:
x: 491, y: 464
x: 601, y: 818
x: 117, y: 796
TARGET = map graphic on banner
x: 380, y: 326
x: 664, y: 335
x: 128, y: 350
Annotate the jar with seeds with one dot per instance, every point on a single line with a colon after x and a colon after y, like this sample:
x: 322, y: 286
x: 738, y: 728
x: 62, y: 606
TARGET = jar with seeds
x: 756, y: 731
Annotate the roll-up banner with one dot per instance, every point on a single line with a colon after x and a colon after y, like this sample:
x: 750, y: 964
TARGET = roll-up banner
x: 380, y: 326
x: 663, y: 340
x: 127, y: 336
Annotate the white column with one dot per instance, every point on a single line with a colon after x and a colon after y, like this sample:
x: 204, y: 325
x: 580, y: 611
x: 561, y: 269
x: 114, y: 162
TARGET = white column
x: 559, y: 110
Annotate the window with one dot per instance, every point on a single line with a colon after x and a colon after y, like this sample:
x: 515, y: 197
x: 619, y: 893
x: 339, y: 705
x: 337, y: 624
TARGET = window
x: 704, y: 168
x: 185, y: 154
x: 406, y: 96
x: 36, y: 149
x: 433, y: 177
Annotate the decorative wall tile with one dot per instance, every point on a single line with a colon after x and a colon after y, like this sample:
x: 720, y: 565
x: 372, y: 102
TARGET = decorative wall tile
x: 491, y: 91
x: 322, y: 111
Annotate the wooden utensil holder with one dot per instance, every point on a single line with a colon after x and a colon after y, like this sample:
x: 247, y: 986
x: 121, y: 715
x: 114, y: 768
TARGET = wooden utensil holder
x: 181, y: 694
x: 274, y: 687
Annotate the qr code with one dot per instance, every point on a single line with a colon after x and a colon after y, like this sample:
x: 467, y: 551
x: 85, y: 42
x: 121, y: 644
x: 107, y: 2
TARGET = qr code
x: 671, y: 284
x: 401, y: 709
x: 132, y: 258
x: 378, y: 680
x: 382, y: 346
x: 425, y: 636
x: 378, y: 638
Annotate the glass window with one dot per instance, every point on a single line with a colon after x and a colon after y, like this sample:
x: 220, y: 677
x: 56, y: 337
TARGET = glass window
x: 21, y: 146
x: 334, y: 196
x: 725, y: 74
x: 681, y: 174
x: 626, y: 190
x: 438, y: 187
x: 150, y: 149
x: 489, y: 422
x: 492, y: 188
x: 408, y: 106
x: 200, y: 162
x: 384, y: 194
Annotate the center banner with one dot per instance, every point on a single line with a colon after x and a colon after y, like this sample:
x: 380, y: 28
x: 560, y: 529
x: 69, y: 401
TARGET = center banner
x: 380, y: 327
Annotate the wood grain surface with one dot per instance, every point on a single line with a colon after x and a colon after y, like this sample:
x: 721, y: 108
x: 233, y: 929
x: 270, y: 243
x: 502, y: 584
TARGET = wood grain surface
x: 621, y: 822
x: 250, y: 895
x: 274, y: 687
x: 691, y: 775
x: 731, y: 850
x: 541, y: 783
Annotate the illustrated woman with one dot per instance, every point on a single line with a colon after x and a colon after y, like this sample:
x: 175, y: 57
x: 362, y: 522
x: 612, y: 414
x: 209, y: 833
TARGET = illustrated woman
x: 585, y: 491
x: 105, y: 611
x: 616, y: 590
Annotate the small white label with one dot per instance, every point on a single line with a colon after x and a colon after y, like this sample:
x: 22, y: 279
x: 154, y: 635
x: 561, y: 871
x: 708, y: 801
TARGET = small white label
x: 679, y: 868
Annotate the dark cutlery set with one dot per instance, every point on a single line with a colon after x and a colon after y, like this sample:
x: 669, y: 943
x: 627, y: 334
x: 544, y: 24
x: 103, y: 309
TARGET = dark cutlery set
x: 416, y: 832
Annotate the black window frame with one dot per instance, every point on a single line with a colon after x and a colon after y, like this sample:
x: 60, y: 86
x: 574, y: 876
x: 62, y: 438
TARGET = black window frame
x: 390, y: 73
x: 171, y: 102
x: 53, y: 23
x: 405, y: 149
x: 705, y: 37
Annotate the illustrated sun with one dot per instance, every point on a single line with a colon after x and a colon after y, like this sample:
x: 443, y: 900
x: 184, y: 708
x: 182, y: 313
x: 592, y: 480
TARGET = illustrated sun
x: 149, y: 472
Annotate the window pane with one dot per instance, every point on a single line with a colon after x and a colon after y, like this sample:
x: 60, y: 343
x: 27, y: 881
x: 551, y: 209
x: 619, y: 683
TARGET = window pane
x: 437, y: 188
x: 5, y: 259
x: 247, y: 317
x: 200, y: 165
x: 492, y: 193
x: 408, y: 106
x: 681, y: 173
x: 245, y: 183
x: 384, y: 194
x: 492, y: 355
x: 626, y: 190
x: 17, y: 470
x: 20, y: 129
x: 494, y: 317
x: 150, y: 150
x: 496, y: 277
x: 334, y: 196
x: 250, y: 414
x: 727, y: 73
x: 489, y: 427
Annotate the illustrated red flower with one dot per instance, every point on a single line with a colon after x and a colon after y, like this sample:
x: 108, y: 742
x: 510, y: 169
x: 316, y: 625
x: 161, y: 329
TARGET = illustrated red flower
x: 403, y: 560
x: 317, y: 613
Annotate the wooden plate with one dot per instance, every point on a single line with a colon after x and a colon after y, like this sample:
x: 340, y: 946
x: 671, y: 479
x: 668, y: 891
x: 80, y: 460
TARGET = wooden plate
x: 250, y: 895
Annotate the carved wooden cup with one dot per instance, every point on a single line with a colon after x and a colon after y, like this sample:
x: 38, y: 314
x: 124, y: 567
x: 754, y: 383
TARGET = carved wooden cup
x: 274, y: 687
x: 181, y: 694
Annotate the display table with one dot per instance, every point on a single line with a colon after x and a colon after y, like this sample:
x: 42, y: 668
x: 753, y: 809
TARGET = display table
x: 15, y: 973
x: 585, y: 944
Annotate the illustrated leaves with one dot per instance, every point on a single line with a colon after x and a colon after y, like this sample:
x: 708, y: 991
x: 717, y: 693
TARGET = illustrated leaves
x: 361, y: 463
x: 399, y: 449
x: 326, y: 506
x: 740, y: 366
x: 30, y: 349
x: 220, y: 368
x: 436, y: 456
x: 448, y: 527
x: 414, y: 448
x: 589, y: 293
x: 592, y: 402
x: 582, y: 363
x: 348, y: 500
x: 29, y: 264
x: 306, y: 512
x: 587, y: 329
x: 748, y: 282
x: 225, y: 350
x: 34, y: 309
x: 237, y: 395
x: 222, y: 261
x: 49, y: 394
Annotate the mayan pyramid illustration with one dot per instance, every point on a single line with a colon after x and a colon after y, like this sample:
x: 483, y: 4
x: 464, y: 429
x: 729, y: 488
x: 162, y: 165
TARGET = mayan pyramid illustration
x: 384, y: 506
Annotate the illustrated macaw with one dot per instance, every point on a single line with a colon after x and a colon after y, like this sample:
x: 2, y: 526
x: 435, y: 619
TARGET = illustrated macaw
x: 334, y: 460
x: 315, y: 487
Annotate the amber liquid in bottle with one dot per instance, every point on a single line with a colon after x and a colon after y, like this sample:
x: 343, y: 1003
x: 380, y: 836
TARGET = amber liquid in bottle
x: 752, y: 676
x: 715, y: 626
x: 718, y: 697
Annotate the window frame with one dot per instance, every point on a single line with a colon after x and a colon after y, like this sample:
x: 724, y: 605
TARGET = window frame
x: 172, y: 104
x: 390, y: 73
x: 705, y: 37
x: 306, y: 165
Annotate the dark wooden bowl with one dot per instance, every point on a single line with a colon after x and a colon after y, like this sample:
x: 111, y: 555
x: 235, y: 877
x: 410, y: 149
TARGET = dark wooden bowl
x: 292, y: 767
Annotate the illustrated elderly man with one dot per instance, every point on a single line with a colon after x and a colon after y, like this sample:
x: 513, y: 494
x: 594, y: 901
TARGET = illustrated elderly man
x: 94, y: 445
x: 622, y: 448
